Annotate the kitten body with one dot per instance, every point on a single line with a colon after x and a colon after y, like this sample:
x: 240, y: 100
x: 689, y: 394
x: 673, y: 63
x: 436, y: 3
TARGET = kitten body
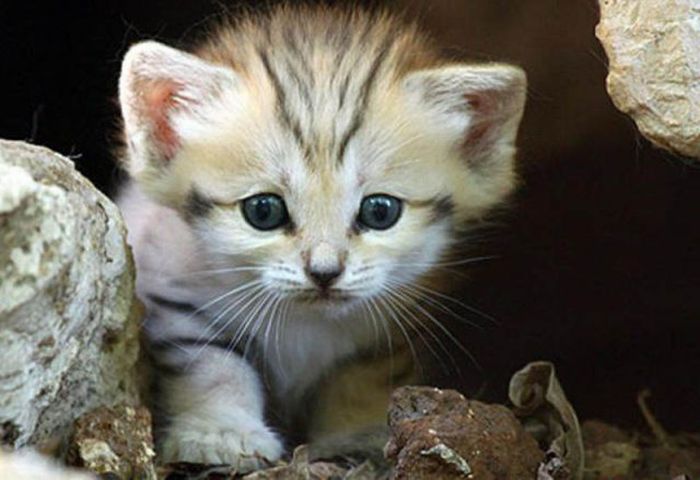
x: 371, y: 150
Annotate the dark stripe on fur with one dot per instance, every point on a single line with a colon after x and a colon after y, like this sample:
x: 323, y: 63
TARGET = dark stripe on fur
x: 290, y: 228
x: 286, y: 118
x: 302, y: 87
x: 197, y: 205
x: 343, y: 92
x: 441, y: 209
x: 363, y: 101
x: 181, y: 307
x: 354, y: 127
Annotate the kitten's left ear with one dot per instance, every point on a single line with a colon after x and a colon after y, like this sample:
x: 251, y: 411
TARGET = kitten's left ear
x: 481, y: 104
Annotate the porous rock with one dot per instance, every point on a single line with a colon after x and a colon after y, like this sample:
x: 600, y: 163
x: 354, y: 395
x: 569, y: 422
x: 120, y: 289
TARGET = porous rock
x: 439, y: 434
x: 116, y: 442
x: 68, y: 316
x: 652, y: 47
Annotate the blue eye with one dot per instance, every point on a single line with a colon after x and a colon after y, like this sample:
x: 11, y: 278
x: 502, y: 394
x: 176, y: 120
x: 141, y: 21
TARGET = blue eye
x: 380, y: 212
x: 265, y: 211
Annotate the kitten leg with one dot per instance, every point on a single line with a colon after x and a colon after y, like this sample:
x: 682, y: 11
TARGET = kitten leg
x: 214, y: 406
x: 351, y: 408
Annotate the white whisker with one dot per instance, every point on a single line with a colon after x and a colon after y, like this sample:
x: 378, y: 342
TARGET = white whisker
x: 419, y: 296
x: 456, y: 302
x: 249, y: 320
x: 399, y: 302
x: 244, y: 290
x: 446, y: 332
x: 223, y: 328
x: 466, y: 261
x: 404, y: 332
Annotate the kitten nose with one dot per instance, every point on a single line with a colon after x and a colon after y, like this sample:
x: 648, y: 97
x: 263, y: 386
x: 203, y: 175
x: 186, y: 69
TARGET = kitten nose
x: 324, y: 264
x: 324, y: 278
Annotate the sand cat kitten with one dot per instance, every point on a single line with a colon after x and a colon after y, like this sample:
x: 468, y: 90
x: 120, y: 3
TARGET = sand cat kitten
x: 287, y: 177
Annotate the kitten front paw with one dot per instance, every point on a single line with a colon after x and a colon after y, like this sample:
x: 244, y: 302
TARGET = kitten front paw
x: 246, y: 449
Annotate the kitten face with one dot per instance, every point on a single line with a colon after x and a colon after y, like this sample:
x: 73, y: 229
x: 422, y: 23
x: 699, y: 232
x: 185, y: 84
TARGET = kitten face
x: 323, y: 195
x: 361, y: 163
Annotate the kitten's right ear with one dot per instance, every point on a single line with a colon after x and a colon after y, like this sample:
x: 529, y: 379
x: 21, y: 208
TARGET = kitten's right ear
x: 160, y: 87
x: 481, y: 104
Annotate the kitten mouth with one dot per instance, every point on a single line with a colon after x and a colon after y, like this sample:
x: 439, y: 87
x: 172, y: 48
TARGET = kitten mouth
x: 329, y: 296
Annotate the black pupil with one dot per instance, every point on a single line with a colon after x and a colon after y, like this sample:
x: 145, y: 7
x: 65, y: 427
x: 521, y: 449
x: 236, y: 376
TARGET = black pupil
x: 380, y: 209
x: 263, y: 209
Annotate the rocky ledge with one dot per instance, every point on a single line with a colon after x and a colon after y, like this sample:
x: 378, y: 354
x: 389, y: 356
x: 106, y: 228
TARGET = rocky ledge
x: 68, y: 316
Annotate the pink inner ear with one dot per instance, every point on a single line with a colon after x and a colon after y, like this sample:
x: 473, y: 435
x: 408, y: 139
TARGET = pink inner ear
x: 475, y: 101
x: 160, y: 102
x: 483, y: 110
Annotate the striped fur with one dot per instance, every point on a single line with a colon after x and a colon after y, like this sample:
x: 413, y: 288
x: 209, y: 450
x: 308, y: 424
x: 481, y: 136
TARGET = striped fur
x: 321, y: 107
x: 323, y: 66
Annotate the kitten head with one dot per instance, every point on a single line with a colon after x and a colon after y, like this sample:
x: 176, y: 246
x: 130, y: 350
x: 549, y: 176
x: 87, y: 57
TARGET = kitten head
x: 332, y: 153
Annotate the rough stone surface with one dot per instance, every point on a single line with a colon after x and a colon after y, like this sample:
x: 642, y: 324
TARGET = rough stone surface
x: 439, y: 434
x: 68, y: 316
x: 115, y: 441
x: 652, y: 47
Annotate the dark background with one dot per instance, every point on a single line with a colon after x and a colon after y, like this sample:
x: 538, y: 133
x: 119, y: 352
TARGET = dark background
x: 598, y: 264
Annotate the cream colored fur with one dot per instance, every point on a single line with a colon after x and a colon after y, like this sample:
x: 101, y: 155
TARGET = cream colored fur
x: 321, y: 107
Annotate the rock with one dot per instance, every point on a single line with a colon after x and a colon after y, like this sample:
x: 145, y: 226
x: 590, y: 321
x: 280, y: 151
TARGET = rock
x: 29, y: 465
x: 652, y: 47
x: 440, y: 434
x: 68, y: 316
x: 114, y: 441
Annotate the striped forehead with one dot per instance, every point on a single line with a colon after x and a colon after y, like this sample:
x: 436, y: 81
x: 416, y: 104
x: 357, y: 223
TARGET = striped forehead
x: 322, y: 96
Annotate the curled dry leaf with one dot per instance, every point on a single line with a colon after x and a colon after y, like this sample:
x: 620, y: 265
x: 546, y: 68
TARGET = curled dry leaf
x: 540, y: 402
